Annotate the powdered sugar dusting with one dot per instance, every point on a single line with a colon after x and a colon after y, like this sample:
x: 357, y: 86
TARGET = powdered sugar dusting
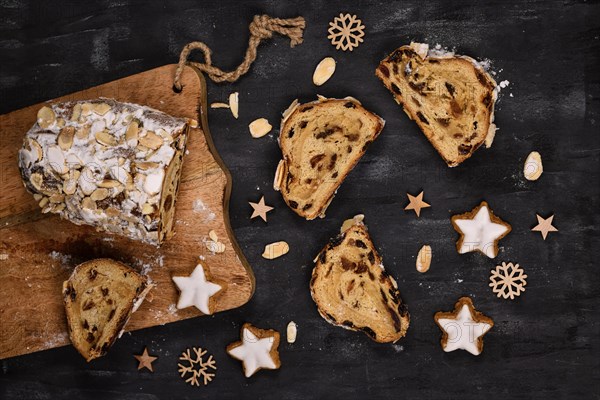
x: 59, y: 339
x: 64, y: 259
x: 199, y: 207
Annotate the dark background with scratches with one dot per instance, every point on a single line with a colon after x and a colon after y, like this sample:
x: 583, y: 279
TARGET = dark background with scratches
x: 544, y: 345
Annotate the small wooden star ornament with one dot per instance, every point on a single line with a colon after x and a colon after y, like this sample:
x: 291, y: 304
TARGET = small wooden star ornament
x: 260, y: 209
x: 544, y: 226
x: 145, y: 360
x: 416, y: 203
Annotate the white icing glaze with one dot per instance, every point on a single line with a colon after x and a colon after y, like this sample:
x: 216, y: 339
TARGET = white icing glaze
x: 196, y: 290
x: 463, y: 332
x: 480, y: 233
x: 254, y: 353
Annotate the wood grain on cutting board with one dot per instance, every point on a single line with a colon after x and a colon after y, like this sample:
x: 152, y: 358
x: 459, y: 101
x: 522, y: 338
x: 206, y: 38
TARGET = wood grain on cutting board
x: 39, y: 251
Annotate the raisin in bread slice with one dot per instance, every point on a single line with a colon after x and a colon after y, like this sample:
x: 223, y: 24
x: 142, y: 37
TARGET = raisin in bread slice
x: 321, y: 142
x: 450, y: 97
x: 352, y: 289
x: 99, y: 298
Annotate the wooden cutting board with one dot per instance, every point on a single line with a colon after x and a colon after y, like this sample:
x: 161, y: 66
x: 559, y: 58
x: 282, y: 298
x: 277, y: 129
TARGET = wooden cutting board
x: 38, y: 251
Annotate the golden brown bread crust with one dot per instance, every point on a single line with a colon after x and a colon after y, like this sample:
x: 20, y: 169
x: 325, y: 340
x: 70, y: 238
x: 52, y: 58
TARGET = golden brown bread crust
x: 99, y: 298
x: 451, y: 98
x: 352, y: 289
x: 321, y: 142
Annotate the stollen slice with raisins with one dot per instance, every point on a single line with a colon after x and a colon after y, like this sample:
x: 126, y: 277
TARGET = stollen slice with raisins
x: 99, y: 298
x: 353, y: 290
x: 321, y: 142
x: 450, y: 97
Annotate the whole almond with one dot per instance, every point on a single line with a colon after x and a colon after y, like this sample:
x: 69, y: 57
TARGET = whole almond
x: 424, y: 259
x: 533, y: 167
x: 292, y: 332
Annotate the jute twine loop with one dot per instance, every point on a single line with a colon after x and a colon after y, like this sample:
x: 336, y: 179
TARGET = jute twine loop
x: 261, y: 28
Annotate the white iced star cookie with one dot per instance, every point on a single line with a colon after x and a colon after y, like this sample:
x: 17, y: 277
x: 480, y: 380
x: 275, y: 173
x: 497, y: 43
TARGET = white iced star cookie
x: 463, y: 328
x: 257, y: 349
x: 480, y: 230
x: 197, y: 290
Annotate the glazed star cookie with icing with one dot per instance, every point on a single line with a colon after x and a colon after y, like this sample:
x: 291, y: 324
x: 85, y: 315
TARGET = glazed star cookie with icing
x: 480, y: 230
x: 257, y: 349
x: 463, y: 328
x: 197, y: 290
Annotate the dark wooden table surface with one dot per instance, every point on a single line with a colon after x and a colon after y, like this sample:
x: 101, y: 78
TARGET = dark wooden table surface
x: 544, y: 344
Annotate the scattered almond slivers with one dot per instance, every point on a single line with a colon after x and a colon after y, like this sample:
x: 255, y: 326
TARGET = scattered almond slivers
x: 275, y: 250
x: 420, y: 48
x: 234, y: 99
x: 424, y: 259
x: 489, y: 139
x: 292, y: 331
x: 213, y: 245
x: 278, y: 180
x: 289, y: 111
x: 324, y: 71
x: 357, y: 219
x: 533, y: 166
x: 219, y: 105
x: 259, y: 127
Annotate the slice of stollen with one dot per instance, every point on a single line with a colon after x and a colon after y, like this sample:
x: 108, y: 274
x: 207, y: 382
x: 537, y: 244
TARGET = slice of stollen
x: 450, y: 97
x: 353, y: 290
x: 321, y: 142
x: 99, y: 298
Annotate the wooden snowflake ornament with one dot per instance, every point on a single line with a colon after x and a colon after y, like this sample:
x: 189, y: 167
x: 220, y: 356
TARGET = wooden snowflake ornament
x: 196, y: 367
x: 346, y: 32
x: 508, y: 280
